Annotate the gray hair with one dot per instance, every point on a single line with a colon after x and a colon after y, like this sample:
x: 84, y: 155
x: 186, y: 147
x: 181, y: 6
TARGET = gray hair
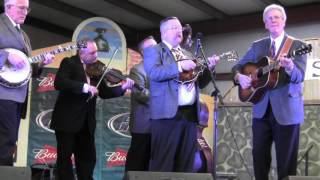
x: 7, y: 2
x: 274, y: 7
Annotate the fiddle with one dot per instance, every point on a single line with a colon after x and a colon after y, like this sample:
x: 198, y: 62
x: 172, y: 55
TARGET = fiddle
x: 99, y: 70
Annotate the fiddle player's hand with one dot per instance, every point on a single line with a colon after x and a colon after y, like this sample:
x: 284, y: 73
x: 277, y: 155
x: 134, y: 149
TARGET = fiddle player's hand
x: 243, y: 80
x: 286, y: 63
x: 93, y: 90
x: 213, y: 60
x: 127, y: 84
x: 48, y: 58
x: 187, y: 65
x: 16, y: 61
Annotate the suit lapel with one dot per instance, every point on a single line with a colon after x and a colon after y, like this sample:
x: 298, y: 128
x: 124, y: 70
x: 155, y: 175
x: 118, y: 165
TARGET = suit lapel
x: 15, y: 33
x: 81, y: 75
x: 165, y: 53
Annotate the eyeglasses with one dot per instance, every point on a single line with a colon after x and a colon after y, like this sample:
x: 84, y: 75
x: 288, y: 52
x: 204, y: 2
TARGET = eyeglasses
x: 175, y: 28
x: 22, y: 8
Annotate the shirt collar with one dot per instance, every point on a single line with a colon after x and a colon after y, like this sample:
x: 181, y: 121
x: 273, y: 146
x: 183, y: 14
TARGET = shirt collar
x: 279, y: 39
x: 170, y: 46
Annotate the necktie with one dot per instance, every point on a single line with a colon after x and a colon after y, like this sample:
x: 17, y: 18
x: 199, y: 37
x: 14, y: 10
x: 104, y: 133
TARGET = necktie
x: 273, y: 49
x: 177, y: 54
x: 18, y: 29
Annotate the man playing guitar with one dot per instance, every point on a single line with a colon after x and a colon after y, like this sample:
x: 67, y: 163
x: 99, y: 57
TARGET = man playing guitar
x: 278, y: 114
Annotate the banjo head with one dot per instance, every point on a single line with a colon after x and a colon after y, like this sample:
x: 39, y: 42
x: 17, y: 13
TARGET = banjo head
x: 12, y: 77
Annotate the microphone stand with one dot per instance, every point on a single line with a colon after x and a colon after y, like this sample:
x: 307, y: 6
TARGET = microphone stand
x: 306, y: 157
x: 217, y: 96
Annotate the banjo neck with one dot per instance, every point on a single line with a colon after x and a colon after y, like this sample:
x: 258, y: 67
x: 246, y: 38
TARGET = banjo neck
x: 60, y: 49
x: 11, y: 77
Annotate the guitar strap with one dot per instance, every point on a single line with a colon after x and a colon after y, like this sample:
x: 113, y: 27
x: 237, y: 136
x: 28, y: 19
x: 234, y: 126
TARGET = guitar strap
x: 285, y: 48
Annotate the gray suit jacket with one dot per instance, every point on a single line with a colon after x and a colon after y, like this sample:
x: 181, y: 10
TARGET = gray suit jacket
x: 287, y: 99
x: 139, y: 111
x: 11, y: 38
x: 162, y: 69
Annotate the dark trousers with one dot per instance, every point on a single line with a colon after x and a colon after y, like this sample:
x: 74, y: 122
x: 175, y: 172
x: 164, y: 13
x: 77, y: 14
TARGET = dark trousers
x: 81, y: 145
x: 286, y: 139
x: 173, y: 142
x: 10, y: 116
x: 138, y: 156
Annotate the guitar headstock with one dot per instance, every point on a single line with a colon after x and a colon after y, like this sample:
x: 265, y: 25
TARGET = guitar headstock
x: 82, y: 44
x: 230, y: 55
x: 304, y: 49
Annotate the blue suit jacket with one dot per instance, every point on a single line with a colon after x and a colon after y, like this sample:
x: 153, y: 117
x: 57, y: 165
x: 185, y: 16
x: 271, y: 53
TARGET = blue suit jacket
x: 287, y: 99
x: 162, y: 70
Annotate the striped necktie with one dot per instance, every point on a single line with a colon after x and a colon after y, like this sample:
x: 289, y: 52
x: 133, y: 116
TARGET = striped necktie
x: 273, y: 50
x: 178, y: 55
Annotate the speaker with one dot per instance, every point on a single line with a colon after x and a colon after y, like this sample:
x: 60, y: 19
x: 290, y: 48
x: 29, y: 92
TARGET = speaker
x: 15, y: 173
x: 143, y: 175
x: 302, y: 178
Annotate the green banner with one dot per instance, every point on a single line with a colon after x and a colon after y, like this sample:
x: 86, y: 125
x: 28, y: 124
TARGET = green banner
x: 112, y: 135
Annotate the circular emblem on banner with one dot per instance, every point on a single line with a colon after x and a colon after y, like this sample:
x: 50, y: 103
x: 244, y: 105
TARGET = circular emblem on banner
x: 43, y: 120
x: 120, y: 124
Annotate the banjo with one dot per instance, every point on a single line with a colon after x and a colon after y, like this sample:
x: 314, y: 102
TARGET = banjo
x: 12, y: 77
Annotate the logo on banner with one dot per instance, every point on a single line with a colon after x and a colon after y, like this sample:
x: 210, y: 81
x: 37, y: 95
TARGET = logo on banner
x: 46, y: 83
x: 45, y: 155
x: 119, y: 124
x: 117, y: 158
x: 43, y: 120
x: 313, y: 67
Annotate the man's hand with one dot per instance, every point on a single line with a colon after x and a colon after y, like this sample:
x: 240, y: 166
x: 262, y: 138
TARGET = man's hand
x: 93, y: 90
x: 286, y: 63
x: 243, y: 80
x: 213, y: 60
x: 16, y: 61
x: 187, y: 65
x: 48, y: 58
x: 127, y: 84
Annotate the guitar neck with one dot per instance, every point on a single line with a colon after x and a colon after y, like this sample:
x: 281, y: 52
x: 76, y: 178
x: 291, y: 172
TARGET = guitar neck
x: 41, y: 57
x: 303, y: 50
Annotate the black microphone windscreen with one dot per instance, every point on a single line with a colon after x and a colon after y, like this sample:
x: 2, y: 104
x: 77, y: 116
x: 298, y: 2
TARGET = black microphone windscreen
x: 199, y: 35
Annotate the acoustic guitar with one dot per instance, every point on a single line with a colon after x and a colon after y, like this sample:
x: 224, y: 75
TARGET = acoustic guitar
x: 264, y: 74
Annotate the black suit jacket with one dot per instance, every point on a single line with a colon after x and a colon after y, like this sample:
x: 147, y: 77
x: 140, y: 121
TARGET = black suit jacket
x: 72, y: 108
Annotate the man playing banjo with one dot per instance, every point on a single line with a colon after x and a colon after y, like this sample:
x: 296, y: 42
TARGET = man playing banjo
x: 13, y: 101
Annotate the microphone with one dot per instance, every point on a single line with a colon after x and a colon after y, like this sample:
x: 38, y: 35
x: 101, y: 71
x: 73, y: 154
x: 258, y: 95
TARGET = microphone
x: 198, y: 43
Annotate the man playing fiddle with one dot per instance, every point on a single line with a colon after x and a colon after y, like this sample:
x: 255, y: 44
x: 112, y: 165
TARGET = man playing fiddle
x: 73, y: 117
